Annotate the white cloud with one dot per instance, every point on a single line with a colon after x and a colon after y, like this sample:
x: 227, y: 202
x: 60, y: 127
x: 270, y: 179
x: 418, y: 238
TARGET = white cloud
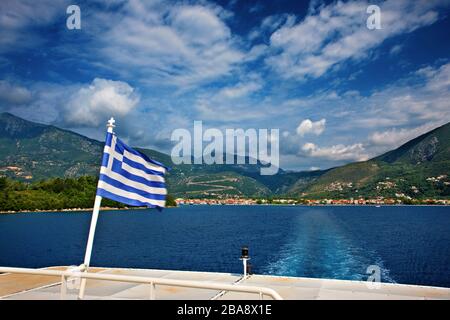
x: 395, y: 137
x: 226, y: 111
x: 338, y: 32
x: 94, y: 103
x: 255, y: 52
x: 11, y: 95
x: 337, y: 152
x: 16, y: 17
x: 403, y: 103
x: 239, y: 90
x: 273, y: 22
x: 396, y: 49
x: 233, y: 102
x: 438, y: 79
x: 170, y: 44
x: 198, y: 25
x: 41, y: 101
x: 308, y: 126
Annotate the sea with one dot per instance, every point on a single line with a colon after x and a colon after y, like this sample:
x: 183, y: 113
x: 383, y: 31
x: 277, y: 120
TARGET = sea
x: 403, y: 244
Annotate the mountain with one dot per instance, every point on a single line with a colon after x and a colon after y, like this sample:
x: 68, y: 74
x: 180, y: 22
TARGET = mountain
x: 420, y: 168
x: 32, y: 151
x: 417, y: 169
x: 35, y: 151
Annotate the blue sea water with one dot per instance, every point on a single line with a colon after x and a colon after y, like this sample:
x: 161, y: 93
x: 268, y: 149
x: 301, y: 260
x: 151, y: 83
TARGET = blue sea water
x: 411, y: 244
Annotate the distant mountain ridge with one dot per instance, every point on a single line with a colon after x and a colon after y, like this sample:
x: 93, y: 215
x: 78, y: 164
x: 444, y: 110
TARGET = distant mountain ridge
x: 32, y: 151
x: 35, y: 151
x: 419, y: 168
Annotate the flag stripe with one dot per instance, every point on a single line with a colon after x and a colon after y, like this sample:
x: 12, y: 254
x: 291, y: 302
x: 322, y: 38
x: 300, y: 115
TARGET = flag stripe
x: 142, y: 161
x: 149, y: 177
x: 141, y: 167
x: 156, y: 181
x: 136, y: 184
x: 118, y: 156
x: 135, y: 164
x: 128, y: 188
x: 109, y: 138
x: 105, y: 159
x: 123, y: 146
x: 127, y: 200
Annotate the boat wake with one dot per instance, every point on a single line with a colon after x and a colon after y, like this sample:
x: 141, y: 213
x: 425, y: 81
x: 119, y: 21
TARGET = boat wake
x: 321, y: 248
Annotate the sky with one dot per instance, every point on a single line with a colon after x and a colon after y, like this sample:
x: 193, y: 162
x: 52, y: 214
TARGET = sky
x: 337, y: 91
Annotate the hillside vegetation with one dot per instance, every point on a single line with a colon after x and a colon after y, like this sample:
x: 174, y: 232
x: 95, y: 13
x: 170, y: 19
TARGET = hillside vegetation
x: 53, y: 194
x: 418, y: 169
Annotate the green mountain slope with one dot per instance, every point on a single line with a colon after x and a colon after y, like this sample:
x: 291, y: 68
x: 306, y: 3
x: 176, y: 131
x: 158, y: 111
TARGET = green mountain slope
x: 417, y: 169
x: 34, y: 151
x: 31, y: 152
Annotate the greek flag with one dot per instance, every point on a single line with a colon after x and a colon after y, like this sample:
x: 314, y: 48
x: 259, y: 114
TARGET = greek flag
x: 130, y: 177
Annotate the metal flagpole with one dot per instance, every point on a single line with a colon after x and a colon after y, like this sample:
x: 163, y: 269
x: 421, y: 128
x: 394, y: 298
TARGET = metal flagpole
x: 90, y: 243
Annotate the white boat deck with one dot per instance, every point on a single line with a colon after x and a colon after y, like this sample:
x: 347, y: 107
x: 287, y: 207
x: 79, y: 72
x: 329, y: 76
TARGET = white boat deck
x: 33, y: 287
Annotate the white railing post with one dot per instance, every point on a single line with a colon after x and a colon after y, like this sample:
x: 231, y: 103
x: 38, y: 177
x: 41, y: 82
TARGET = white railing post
x: 152, y: 291
x: 63, y: 295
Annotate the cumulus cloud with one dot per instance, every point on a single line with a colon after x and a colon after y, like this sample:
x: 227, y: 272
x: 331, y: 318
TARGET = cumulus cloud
x: 336, y: 33
x: 92, y: 104
x: 337, y: 152
x: 308, y: 126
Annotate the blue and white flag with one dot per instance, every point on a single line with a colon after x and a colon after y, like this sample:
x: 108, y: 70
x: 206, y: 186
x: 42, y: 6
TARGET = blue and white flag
x: 130, y: 177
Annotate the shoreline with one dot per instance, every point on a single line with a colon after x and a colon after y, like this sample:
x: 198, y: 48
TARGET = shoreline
x: 66, y: 210
x: 87, y: 210
x: 76, y: 210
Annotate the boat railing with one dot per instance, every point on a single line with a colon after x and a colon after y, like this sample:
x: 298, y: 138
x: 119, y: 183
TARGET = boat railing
x: 78, y: 273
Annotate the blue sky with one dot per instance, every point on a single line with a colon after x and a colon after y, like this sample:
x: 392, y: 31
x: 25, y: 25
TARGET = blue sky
x: 337, y: 91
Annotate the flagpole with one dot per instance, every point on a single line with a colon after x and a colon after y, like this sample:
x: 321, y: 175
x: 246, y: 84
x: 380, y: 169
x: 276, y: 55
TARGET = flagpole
x: 95, y: 212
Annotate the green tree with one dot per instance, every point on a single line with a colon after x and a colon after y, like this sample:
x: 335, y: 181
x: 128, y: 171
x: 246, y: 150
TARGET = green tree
x: 170, y: 201
x: 3, y: 183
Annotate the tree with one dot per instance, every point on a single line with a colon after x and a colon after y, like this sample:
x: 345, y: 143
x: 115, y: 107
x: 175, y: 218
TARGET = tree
x: 3, y: 183
x: 170, y: 201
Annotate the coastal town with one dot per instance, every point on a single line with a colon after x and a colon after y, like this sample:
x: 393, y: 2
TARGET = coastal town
x: 285, y: 201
